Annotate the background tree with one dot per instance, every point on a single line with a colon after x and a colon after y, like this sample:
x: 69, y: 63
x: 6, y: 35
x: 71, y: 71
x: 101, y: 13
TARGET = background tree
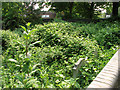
x: 15, y: 14
x: 78, y: 9
x: 66, y: 7
x: 12, y: 14
x: 115, y: 9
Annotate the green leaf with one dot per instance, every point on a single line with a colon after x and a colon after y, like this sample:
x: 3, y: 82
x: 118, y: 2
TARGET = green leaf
x: 32, y: 31
x: 25, y: 36
x: 51, y: 86
x: 13, y: 60
x: 77, y: 85
x: 19, y: 78
x: 24, y: 28
x: 34, y: 43
x: 61, y: 75
x: 35, y: 66
x: 17, y: 65
x: 57, y: 81
x: 34, y: 71
x: 32, y: 83
x: 19, y: 43
x: 28, y: 24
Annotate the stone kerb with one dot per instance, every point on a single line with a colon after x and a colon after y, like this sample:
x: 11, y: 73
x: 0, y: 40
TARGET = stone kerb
x: 109, y: 76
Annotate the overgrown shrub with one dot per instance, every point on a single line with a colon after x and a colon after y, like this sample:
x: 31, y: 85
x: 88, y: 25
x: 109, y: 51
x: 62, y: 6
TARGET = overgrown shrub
x: 51, y: 60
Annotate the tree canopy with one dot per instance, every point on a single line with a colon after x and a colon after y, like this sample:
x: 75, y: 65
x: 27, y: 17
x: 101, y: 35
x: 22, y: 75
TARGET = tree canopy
x: 86, y: 9
x: 19, y: 13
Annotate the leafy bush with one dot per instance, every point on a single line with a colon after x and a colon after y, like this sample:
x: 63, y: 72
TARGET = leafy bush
x: 7, y: 36
x: 105, y: 33
x: 60, y: 45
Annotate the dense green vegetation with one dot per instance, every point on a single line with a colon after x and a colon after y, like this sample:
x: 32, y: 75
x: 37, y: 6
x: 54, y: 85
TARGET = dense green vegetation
x: 52, y: 50
x: 15, y: 14
x: 78, y: 10
x: 42, y: 55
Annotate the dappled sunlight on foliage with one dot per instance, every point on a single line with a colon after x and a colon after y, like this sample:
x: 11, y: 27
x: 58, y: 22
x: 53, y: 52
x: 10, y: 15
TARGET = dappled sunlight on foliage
x: 54, y: 49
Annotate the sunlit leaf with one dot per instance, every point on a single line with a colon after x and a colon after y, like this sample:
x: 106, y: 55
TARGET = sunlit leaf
x: 13, y: 60
x: 28, y: 24
x: 24, y: 28
x: 32, y: 31
x: 35, y: 66
x: 34, y: 43
x: 19, y: 43
x: 34, y: 71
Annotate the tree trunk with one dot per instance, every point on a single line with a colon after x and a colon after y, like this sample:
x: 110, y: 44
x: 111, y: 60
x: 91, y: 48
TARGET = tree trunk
x: 91, y: 10
x: 70, y: 8
x: 115, y: 9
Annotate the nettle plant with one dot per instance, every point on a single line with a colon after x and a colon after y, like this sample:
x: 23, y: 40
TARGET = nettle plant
x: 24, y: 58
